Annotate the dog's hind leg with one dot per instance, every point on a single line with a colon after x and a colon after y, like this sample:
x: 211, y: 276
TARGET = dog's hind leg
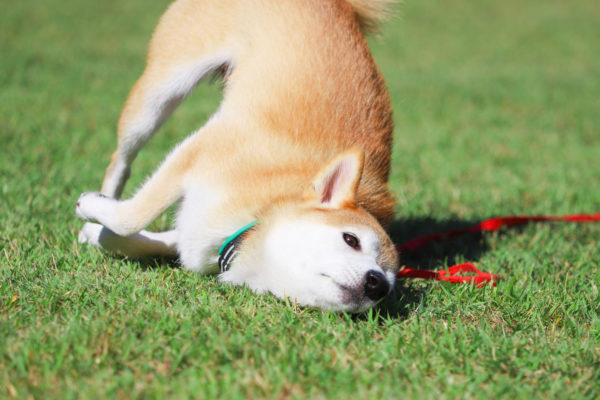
x: 188, y: 44
x: 141, y: 244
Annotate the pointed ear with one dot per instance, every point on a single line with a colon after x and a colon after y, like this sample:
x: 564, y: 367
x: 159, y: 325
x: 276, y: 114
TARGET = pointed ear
x: 336, y: 184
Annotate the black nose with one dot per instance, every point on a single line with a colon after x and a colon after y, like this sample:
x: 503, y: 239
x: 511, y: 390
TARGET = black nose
x: 376, y: 286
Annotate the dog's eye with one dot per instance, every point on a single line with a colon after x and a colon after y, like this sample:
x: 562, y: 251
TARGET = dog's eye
x: 351, y: 241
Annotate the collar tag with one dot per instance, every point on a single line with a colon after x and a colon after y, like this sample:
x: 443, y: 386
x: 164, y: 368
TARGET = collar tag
x: 229, y: 249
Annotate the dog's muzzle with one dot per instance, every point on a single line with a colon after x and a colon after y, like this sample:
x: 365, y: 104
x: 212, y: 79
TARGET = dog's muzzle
x: 376, y: 285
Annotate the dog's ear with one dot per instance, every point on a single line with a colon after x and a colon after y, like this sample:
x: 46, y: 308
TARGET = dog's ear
x: 336, y: 184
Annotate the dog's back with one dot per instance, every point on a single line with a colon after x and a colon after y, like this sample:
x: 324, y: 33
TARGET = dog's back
x: 309, y: 83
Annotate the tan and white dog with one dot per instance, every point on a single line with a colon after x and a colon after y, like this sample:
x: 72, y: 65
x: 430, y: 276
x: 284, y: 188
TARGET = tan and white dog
x: 300, y: 144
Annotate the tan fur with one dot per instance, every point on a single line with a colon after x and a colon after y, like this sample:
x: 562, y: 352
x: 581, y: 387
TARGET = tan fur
x: 301, y: 144
x: 304, y: 91
x: 311, y: 194
x: 371, y: 13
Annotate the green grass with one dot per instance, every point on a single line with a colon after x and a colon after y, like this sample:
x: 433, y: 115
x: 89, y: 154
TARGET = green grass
x: 497, y: 107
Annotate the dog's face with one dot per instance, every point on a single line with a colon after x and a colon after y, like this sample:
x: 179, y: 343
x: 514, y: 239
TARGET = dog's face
x: 324, y: 251
x: 333, y: 259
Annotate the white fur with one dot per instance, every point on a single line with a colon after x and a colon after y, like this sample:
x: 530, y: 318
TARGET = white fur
x: 116, y: 180
x: 94, y: 207
x: 163, y: 99
x: 310, y: 263
x: 111, y: 213
x: 200, y: 233
x: 140, y: 244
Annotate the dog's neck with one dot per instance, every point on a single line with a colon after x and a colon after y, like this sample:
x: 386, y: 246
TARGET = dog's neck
x: 230, y: 247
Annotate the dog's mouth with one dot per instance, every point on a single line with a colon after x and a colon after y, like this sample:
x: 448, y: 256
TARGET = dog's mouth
x: 353, y: 299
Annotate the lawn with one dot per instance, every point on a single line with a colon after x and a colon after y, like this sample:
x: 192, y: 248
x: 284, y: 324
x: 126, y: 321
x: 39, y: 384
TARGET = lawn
x: 497, y: 111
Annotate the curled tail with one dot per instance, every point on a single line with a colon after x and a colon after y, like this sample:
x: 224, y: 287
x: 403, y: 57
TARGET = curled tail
x: 371, y: 12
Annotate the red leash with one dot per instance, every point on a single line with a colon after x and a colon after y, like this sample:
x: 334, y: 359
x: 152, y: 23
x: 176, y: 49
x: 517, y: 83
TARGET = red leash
x: 452, y: 274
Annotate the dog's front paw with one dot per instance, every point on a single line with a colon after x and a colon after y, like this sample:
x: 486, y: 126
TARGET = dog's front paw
x: 95, y: 207
x: 90, y: 233
x: 90, y: 206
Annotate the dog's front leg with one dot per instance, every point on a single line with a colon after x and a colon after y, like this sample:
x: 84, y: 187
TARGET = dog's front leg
x: 126, y: 217
x: 141, y: 244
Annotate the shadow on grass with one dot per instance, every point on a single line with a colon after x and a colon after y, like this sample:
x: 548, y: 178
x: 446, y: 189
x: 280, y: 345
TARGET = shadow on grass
x: 156, y: 262
x: 468, y: 247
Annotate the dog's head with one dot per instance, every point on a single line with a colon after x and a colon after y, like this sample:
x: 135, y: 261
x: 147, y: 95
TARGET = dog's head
x: 323, y: 251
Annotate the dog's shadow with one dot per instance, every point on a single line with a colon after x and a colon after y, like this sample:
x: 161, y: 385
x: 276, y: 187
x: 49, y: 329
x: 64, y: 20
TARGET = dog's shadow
x: 156, y: 262
x: 468, y: 247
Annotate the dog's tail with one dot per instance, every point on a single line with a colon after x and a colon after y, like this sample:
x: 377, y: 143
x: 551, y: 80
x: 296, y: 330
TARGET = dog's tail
x: 371, y: 12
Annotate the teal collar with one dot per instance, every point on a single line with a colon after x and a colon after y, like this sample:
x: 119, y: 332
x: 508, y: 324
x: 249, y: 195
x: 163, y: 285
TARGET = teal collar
x: 228, y: 250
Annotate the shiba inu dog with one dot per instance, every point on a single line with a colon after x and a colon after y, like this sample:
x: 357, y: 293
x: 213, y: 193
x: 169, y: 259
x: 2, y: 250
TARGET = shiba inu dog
x: 299, y: 148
